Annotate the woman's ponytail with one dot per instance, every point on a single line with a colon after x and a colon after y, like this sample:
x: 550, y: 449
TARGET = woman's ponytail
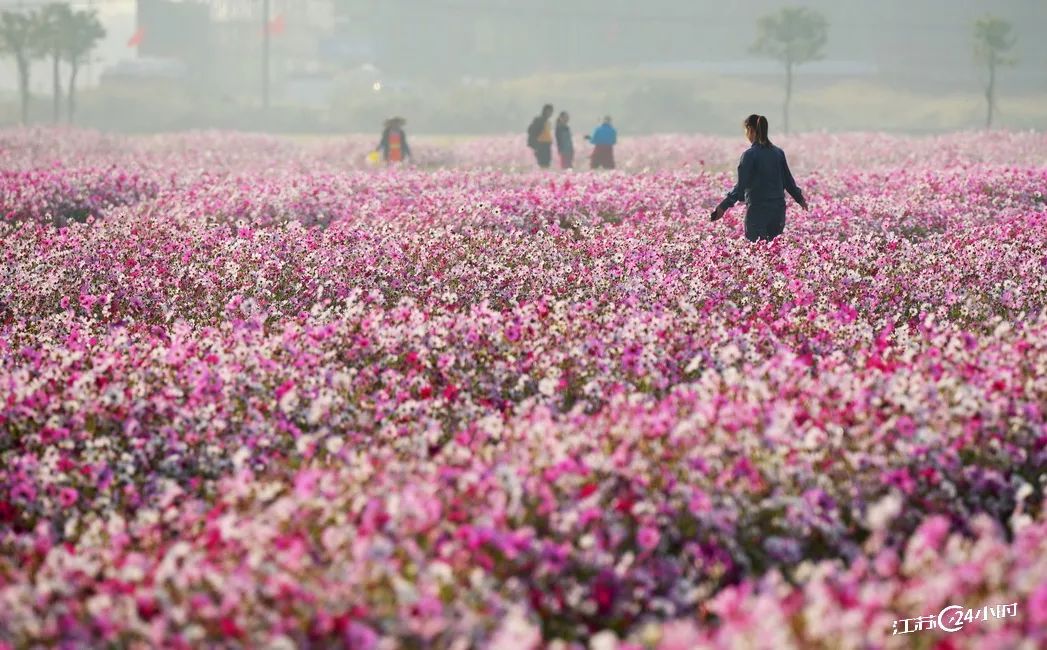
x: 758, y: 123
x: 761, y: 132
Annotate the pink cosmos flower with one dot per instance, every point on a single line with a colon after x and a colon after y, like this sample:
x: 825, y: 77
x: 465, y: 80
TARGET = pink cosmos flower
x: 679, y: 635
x: 67, y: 497
x: 648, y: 537
x: 1037, y: 605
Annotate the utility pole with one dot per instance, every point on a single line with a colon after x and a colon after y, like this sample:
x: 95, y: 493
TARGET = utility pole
x: 265, y: 54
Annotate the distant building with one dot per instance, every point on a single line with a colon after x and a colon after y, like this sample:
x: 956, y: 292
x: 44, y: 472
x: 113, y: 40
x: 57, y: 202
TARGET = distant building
x: 221, y: 41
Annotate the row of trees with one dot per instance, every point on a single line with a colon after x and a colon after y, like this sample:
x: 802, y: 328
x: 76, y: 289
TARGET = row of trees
x: 57, y: 33
x: 797, y: 35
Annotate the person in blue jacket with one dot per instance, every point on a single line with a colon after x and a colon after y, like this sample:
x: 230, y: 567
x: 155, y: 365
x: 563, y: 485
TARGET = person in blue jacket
x: 603, y: 139
x: 763, y: 180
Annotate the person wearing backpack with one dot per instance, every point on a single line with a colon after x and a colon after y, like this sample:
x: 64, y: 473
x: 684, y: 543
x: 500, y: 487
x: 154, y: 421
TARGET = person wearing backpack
x: 540, y: 137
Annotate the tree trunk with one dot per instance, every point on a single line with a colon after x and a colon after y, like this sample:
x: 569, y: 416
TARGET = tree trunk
x: 788, y: 95
x: 71, y: 98
x: 56, y: 83
x: 990, y: 93
x: 265, y: 53
x: 23, y: 87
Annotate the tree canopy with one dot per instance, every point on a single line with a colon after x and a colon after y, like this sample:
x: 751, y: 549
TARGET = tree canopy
x: 56, y: 31
x: 793, y: 35
x: 993, y: 40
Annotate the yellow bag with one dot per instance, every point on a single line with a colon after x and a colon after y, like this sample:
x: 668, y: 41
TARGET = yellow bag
x: 374, y: 157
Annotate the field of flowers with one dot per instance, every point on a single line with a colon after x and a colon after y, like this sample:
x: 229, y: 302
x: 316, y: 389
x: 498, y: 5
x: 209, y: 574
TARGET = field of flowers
x: 256, y: 394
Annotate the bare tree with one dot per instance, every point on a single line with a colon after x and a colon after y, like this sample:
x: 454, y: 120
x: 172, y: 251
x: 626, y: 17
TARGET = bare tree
x: 793, y: 36
x: 84, y: 35
x: 992, y: 42
x: 55, y: 24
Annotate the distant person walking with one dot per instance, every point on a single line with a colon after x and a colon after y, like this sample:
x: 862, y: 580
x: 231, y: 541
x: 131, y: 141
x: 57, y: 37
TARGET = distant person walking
x: 393, y: 146
x: 564, y: 144
x: 763, y: 180
x: 603, y: 139
x: 540, y: 137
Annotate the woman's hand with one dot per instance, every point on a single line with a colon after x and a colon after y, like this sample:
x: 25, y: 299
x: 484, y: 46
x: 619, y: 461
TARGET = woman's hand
x: 803, y: 204
x: 717, y: 214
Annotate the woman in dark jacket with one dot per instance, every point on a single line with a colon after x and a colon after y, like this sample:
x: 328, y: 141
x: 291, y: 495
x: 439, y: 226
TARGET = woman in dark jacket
x: 763, y: 180
x: 564, y: 145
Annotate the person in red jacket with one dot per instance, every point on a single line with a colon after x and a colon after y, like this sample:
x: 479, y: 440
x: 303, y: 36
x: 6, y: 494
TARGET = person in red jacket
x: 394, y: 141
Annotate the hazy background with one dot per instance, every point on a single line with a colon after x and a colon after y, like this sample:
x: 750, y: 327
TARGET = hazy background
x: 482, y: 66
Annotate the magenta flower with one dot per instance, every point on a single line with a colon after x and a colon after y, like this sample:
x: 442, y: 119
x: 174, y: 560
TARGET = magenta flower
x: 67, y: 497
x: 257, y: 392
x: 647, y: 537
x: 1037, y: 606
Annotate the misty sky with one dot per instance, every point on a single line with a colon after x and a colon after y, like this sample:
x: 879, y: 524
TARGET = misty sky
x: 889, y: 34
x: 921, y: 46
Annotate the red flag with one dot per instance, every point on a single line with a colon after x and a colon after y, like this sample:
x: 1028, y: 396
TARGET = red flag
x: 137, y: 37
x: 277, y: 24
